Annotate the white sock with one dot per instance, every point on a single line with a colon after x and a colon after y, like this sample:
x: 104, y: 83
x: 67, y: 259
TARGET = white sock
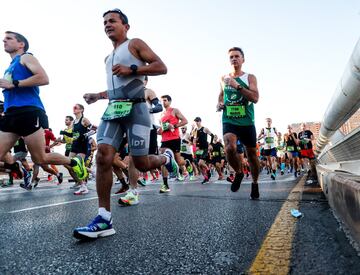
x: 134, y: 190
x: 104, y: 213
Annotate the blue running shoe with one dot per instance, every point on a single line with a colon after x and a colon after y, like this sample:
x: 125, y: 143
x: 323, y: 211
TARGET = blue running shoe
x: 172, y: 166
x: 99, y: 227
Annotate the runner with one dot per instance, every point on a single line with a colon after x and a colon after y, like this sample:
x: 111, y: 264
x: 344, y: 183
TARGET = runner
x: 306, y: 138
x: 216, y: 149
x: 67, y: 134
x: 25, y: 114
x: 186, y: 152
x: 237, y: 96
x: 269, y: 135
x: 292, y: 142
x: 202, y: 148
x: 171, y: 119
x: 126, y: 66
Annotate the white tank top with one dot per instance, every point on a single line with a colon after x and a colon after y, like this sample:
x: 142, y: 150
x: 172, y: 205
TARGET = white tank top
x: 269, y: 138
x: 152, y: 116
x: 124, y: 86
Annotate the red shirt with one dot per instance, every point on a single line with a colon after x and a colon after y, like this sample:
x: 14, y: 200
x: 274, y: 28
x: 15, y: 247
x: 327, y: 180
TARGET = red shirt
x: 170, y: 118
x: 48, y: 137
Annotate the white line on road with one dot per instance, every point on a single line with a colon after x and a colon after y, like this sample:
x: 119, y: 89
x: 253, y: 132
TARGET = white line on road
x: 62, y: 203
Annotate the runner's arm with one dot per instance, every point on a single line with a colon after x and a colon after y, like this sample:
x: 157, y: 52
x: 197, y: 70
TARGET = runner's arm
x: 39, y: 76
x: 251, y: 94
x: 183, y: 121
x: 155, y: 66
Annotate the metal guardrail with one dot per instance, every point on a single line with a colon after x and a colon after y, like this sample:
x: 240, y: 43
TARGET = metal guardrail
x: 345, y: 101
x: 346, y: 149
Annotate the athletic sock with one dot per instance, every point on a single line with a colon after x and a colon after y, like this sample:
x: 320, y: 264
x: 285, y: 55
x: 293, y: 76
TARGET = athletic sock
x: 122, y: 180
x: 166, y: 182
x: 104, y: 213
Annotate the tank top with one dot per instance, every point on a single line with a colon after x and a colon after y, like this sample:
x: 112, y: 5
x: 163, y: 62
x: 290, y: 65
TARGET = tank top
x: 234, y: 97
x: 124, y: 87
x: 22, y: 96
x: 186, y: 148
x: 201, y: 139
x: 78, y: 131
x: 269, y: 138
x: 68, y: 140
x: 168, y: 117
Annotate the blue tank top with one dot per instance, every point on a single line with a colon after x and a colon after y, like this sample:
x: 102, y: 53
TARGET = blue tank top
x: 23, y: 96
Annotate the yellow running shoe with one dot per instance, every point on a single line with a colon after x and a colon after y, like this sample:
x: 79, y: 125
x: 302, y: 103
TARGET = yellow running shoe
x: 80, y: 169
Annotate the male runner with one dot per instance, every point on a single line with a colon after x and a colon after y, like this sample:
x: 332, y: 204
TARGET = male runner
x: 202, y: 148
x: 24, y: 112
x: 127, y: 112
x: 269, y: 135
x: 171, y: 119
x: 237, y: 96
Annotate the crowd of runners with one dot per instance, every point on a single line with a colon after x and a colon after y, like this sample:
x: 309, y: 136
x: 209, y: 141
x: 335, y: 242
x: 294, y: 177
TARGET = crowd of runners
x: 125, y: 142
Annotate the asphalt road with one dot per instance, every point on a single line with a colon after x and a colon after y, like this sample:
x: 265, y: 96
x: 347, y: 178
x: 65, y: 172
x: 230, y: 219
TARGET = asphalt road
x: 194, y: 229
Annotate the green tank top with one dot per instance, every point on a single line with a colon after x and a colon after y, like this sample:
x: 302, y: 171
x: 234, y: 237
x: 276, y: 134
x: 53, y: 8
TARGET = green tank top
x: 238, y: 110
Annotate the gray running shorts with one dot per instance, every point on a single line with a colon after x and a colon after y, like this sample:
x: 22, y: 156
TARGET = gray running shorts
x: 20, y: 155
x: 136, y: 125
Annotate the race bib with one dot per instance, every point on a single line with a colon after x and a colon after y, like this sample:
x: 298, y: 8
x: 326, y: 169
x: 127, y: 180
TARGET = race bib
x: 68, y: 146
x: 117, y: 109
x: 235, y: 110
x: 199, y: 152
x: 183, y: 148
x: 215, y: 154
x: 290, y: 148
x: 165, y: 126
x: 269, y: 140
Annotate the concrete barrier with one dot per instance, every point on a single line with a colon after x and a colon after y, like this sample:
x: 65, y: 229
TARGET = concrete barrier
x: 342, y: 190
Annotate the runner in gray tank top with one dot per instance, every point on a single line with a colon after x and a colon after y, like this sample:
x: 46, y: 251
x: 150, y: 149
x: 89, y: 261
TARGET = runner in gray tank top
x: 127, y: 112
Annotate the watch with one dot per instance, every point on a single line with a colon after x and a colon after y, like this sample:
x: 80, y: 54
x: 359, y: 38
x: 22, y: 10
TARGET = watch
x: 239, y: 87
x: 133, y: 68
x: 16, y: 83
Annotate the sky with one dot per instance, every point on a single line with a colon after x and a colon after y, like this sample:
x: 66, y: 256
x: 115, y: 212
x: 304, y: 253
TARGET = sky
x: 297, y: 50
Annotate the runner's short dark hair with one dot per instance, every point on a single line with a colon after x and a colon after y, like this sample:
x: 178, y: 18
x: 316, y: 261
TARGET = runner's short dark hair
x: 20, y: 38
x: 237, y: 49
x: 70, y: 118
x: 167, y: 97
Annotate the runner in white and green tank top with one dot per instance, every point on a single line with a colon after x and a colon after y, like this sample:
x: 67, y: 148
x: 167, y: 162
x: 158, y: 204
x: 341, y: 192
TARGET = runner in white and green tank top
x: 237, y: 96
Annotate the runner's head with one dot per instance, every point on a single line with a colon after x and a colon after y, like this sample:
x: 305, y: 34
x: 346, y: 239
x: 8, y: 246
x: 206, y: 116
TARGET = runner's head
x: 268, y: 122
x: 15, y: 42
x: 68, y: 120
x: 303, y: 126
x: 289, y: 128
x: 183, y: 129
x: 78, y: 109
x: 236, y: 56
x: 166, y: 100
x: 198, y: 121
x: 116, y: 24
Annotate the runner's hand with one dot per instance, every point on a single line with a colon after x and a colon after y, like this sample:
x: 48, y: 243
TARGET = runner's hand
x: 120, y: 70
x: 91, y: 97
x: 220, y: 106
x: 5, y: 84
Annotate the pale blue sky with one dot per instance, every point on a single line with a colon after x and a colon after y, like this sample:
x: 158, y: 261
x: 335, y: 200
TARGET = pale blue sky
x: 297, y: 50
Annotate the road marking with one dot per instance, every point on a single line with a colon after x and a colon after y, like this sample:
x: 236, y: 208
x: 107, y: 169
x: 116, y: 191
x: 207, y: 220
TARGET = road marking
x: 63, y: 203
x: 275, y: 252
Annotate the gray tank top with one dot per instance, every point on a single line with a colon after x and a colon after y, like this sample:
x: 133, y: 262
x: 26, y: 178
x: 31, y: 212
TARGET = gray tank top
x: 124, y: 87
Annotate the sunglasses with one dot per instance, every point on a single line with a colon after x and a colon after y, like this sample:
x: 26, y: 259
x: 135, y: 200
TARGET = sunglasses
x: 118, y: 11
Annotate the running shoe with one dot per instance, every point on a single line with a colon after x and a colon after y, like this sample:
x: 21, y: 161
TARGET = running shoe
x: 273, y: 176
x: 36, y: 182
x: 192, y: 178
x: 141, y: 182
x: 230, y: 178
x: 180, y: 178
x: 164, y: 189
x: 237, y: 181
x: 75, y: 186
x: 82, y: 191
x: 7, y: 183
x: 131, y: 198
x: 254, y: 191
x: 80, y: 169
x: 122, y: 189
x: 282, y: 172
x: 99, y: 227
x: 60, y: 178
x: 206, y: 180
x: 172, y: 166
x: 49, y: 177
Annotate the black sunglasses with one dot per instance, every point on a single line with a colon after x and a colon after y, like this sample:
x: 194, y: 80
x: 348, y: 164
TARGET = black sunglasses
x: 122, y: 15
